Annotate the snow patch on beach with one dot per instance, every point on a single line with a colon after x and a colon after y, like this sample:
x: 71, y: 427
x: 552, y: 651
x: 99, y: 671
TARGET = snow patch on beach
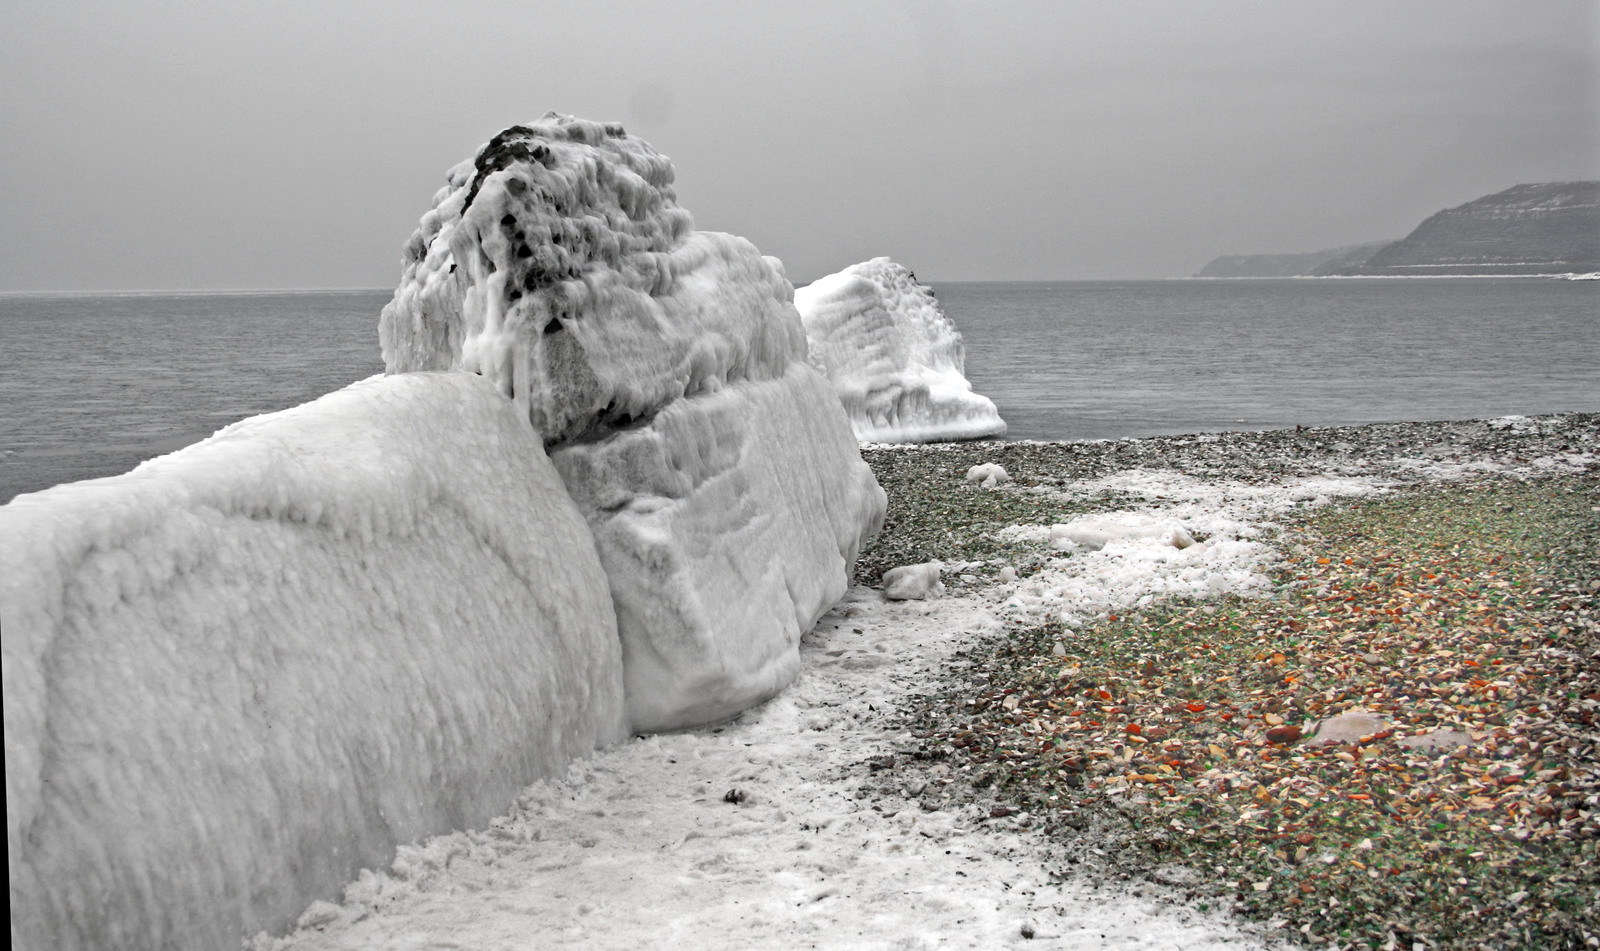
x: 1194, y: 538
x: 752, y: 835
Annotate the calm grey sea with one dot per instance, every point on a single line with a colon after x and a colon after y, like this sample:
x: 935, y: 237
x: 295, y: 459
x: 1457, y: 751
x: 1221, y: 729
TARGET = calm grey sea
x: 92, y: 385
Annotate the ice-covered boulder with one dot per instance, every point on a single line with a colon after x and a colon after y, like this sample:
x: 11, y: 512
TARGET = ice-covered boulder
x: 558, y: 264
x: 244, y: 671
x: 727, y: 526
x: 667, y: 372
x: 895, y: 359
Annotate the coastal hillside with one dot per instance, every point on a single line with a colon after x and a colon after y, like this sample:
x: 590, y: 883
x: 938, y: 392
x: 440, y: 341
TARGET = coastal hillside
x: 1550, y: 228
x: 1530, y: 229
x: 1310, y: 264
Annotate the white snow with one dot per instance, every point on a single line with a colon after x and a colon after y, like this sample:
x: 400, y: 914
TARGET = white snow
x: 558, y: 264
x: 727, y: 526
x: 1094, y: 532
x: 895, y: 358
x: 639, y: 848
x: 988, y: 474
x: 244, y: 671
x: 1120, y: 560
x: 913, y: 582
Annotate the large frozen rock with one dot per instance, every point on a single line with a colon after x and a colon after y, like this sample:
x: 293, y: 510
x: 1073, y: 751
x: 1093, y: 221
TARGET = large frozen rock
x: 244, y: 671
x: 558, y: 264
x: 727, y: 526
x: 895, y: 359
x: 667, y: 372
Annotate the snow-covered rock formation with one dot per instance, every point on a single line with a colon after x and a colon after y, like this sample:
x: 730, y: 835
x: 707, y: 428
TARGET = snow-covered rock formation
x: 895, y: 359
x: 241, y: 673
x: 727, y: 527
x: 558, y: 264
x: 245, y: 671
x: 665, y: 369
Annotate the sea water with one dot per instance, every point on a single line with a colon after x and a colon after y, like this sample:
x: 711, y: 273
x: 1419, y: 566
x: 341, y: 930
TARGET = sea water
x: 1099, y: 360
x: 90, y: 385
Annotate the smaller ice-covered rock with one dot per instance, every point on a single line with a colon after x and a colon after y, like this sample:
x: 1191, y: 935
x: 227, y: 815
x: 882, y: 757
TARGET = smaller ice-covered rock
x: 988, y: 474
x: 1094, y: 532
x: 895, y: 358
x: 727, y: 525
x: 913, y: 582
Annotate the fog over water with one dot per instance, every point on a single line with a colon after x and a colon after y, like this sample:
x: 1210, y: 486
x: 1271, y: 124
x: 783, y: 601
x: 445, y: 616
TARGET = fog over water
x: 187, y: 145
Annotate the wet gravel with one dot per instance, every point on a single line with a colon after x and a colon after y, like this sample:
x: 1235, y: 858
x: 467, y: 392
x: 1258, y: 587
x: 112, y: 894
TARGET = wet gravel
x: 1451, y: 623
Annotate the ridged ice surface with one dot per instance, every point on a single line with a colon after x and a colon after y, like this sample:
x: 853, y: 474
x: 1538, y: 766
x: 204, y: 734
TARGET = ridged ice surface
x: 726, y: 527
x: 558, y: 264
x: 895, y: 359
x: 246, y: 670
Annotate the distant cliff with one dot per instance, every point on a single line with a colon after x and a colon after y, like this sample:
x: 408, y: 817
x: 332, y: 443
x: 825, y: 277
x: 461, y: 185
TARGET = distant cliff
x: 1551, y: 228
x: 1530, y: 229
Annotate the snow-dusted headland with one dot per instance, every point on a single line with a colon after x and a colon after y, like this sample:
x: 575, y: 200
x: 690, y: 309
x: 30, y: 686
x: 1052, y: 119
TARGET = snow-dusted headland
x: 895, y: 359
x: 600, y: 489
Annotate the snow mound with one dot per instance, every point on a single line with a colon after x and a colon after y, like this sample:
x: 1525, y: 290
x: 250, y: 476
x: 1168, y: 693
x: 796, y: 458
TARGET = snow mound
x: 558, y: 264
x: 896, y: 360
x: 1135, y: 570
x: 988, y: 474
x: 913, y: 582
x: 727, y: 526
x: 1094, y: 532
x: 244, y: 671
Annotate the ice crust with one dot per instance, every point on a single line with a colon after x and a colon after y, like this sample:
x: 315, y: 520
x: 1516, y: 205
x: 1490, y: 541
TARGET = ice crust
x: 895, y: 358
x: 727, y: 526
x: 558, y: 264
x: 244, y: 671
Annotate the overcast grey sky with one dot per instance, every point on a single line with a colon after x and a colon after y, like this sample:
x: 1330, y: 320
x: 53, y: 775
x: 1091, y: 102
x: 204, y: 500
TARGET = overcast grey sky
x: 193, y: 144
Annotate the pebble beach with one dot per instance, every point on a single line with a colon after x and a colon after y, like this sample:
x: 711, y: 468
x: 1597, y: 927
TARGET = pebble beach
x: 1330, y: 687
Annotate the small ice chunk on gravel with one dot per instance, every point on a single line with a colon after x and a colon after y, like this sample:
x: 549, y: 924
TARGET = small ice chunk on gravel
x: 988, y: 474
x: 913, y: 582
x: 1094, y: 532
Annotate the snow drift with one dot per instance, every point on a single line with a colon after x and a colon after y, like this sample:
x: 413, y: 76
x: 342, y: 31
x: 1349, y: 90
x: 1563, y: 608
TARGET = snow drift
x: 726, y: 527
x: 666, y: 370
x: 243, y: 672
x: 895, y: 359
x: 558, y: 264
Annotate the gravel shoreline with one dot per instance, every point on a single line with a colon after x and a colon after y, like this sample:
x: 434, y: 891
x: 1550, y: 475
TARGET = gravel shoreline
x: 923, y: 784
x: 1167, y: 743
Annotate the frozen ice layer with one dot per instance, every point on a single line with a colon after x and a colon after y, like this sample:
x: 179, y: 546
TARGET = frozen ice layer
x: 895, y: 359
x: 558, y: 264
x: 727, y: 526
x: 244, y: 671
